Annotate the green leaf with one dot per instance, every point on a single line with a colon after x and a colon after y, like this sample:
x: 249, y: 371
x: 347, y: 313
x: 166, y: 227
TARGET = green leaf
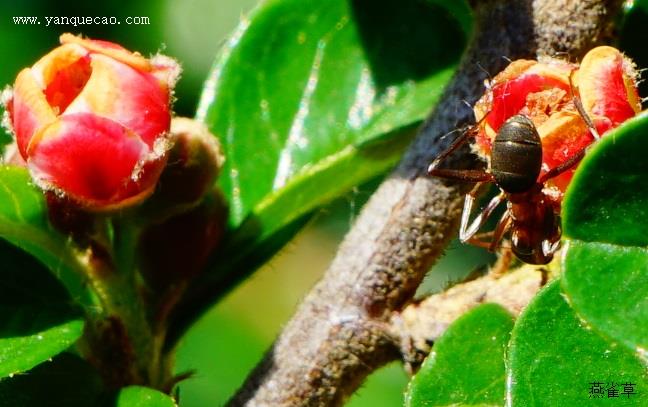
x: 66, y: 381
x: 608, y: 286
x: 310, y: 98
x: 554, y: 358
x: 24, y: 223
x: 69, y: 381
x: 607, y: 200
x: 466, y: 366
x: 605, y: 221
x: 37, y: 317
x: 137, y: 396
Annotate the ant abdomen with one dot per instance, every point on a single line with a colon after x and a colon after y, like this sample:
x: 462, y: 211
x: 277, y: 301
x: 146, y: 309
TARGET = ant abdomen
x: 516, y: 156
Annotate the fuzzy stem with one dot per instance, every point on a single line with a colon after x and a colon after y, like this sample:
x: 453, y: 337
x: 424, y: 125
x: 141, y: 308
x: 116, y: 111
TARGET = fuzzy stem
x: 120, y: 340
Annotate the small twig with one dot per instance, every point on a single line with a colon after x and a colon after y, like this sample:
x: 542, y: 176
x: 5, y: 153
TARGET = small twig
x: 420, y: 324
x: 341, y: 332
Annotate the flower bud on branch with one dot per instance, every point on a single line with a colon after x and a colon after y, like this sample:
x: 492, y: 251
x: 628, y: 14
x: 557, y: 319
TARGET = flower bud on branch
x: 91, y: 120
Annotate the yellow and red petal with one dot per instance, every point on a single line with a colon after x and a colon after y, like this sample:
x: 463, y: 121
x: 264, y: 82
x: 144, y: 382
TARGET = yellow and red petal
x: 109, y: 49
x: 564, y: 135
x: 132, y: 98
x: 46, y: 68
x: 67, y: 84
x: 512, y: 93
x: 606, y: 81
x: 141, y: 185
x: 166, y: 69
x: 89, y: 158
x: 510, y: 97
x: 28, y: 109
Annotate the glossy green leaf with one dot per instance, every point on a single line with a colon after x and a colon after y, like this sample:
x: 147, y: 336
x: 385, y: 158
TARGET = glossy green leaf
x: 608, y: 286
x: 137, y: 396
x: 554, y: 359
x: 37, y: 317
x: 66, y: 381
x: 69, y: 381
x: 466, y: 365
x: 24, y: 223
x: 605, y: 220
x: 310, y: 98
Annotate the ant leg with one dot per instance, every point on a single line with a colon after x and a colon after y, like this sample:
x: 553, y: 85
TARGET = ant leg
x: 503, y: 262
x: 549, y: 248
x: 484, y: 239
x: 574, y: 159
x: 496, y: 235
x: 481, y: 239
x: 468, y: 231
x: 502, y: 227
x: 458, y: 142
x: 581, y: 110
x: 569, y: 163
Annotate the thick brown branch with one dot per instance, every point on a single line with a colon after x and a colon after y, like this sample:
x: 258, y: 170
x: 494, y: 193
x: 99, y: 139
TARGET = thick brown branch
x: 341, y: 332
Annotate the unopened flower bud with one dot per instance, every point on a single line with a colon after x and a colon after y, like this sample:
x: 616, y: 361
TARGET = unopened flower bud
x: 91, y: 119
x: 194, y: 163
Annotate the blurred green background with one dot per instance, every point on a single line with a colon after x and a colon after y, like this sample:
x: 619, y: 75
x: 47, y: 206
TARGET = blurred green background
x: 229, y: 340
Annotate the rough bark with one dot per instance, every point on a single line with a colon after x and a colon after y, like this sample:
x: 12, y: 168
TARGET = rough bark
x: 343, y: 329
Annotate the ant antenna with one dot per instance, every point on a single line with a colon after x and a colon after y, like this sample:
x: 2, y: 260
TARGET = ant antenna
x: 467, y: 132
x: 459, y: 129
x: 488, y: 75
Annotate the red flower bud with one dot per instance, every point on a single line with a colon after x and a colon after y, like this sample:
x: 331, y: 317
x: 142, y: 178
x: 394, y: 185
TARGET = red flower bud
x: 605, y: 82
x: 91, y: 120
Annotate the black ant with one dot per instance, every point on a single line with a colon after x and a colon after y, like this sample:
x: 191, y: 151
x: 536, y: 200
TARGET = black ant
x: 532, y: 215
